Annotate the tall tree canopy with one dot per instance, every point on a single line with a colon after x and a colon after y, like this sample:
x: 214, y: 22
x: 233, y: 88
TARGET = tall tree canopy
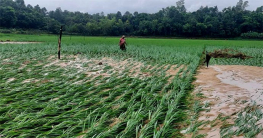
x: 169, y: 21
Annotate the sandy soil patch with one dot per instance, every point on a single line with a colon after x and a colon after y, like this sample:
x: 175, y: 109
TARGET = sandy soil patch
x: 24, y: 64
x: 172, y: 71
x: 114, y: 121
x: 27, y: 81
x: 99, y: 68
x: 7, y: 63
x: 18, y: 42
x: 10, y: 80
x: 104, y: 67
x: 32, y: 80
x: 228, y: 90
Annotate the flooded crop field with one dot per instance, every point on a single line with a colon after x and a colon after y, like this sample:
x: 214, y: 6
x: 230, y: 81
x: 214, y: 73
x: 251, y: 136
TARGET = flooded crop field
x: 156, y: 88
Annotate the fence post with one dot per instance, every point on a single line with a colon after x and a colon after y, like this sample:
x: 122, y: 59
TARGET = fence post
x: 59, y: 42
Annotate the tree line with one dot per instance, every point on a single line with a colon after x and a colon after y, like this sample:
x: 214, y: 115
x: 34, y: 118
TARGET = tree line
x: 170, y: 21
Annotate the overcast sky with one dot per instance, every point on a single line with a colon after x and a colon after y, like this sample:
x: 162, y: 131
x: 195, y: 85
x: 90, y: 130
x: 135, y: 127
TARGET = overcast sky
x: 148, y: 6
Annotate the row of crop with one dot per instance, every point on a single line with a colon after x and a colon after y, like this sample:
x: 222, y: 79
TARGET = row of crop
x: 60, y: 108
x: 32, y: 100
x: 54, y: 109
x: 151, y: 53
x: 253, y: 52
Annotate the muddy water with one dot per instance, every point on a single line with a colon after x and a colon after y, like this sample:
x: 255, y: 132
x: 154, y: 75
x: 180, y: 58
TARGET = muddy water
x: 235, y: 78
x: 228, y: 89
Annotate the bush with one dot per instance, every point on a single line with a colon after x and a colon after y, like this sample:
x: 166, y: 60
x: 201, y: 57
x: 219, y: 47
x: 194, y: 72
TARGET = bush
x: 252, y: 35
x: 6, y: 31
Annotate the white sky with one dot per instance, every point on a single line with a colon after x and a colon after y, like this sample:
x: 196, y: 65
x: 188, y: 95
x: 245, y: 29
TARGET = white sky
x: 148, y: 6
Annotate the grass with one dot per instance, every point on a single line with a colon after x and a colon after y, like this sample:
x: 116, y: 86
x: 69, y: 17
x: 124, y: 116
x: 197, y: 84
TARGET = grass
x: 129, y: 95
x: 246, y: 123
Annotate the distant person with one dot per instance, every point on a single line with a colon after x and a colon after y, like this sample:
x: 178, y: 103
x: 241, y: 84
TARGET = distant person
x: 207, y: 58
x: 123, y: 43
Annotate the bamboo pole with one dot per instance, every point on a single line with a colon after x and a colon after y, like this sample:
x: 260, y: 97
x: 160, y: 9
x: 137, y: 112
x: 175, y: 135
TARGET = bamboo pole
x: 59, y: 42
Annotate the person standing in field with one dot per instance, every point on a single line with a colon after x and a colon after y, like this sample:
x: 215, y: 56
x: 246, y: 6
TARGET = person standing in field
x: 123, y: 43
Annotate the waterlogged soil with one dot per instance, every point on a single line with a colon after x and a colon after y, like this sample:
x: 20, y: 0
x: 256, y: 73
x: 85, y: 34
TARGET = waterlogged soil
x: 228, y: 90
x: 106, y: 66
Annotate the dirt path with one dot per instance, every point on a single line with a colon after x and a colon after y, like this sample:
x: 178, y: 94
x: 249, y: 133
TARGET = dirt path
x: 228, y: 90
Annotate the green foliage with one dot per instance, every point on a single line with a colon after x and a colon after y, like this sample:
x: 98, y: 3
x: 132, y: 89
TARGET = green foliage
x: 39, y: 97
x: 170, y: 21
x: 42, y: 99
x: 246, y: 124
x: 252, y: 35
x: 252, y: 50
x: 7, y: 16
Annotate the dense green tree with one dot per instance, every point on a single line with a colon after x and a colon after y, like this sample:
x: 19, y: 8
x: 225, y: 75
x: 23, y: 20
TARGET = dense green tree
x: 57, y: 15
x: 118, y: 15
x: 241, y: 6
x: 7, y: 17
x: 180, y: 6
x: 52, y: 26
x: 20, y: 3
x: 169, y: 21
x: 260, y: 9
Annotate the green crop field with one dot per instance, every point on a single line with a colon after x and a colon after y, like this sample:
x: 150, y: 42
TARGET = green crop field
x: 143, y: 92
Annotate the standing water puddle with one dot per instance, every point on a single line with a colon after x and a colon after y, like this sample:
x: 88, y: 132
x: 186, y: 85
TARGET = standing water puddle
x: 228, y: 90
x: 255, y: 88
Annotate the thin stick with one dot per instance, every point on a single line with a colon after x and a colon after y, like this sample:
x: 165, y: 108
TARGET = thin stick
x: 59, y: 42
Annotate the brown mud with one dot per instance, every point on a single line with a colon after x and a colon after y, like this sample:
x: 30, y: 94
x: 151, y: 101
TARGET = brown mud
x: 228, y: 90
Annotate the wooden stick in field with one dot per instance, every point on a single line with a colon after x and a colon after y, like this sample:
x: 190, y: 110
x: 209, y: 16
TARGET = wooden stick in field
x: 59, y: 42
